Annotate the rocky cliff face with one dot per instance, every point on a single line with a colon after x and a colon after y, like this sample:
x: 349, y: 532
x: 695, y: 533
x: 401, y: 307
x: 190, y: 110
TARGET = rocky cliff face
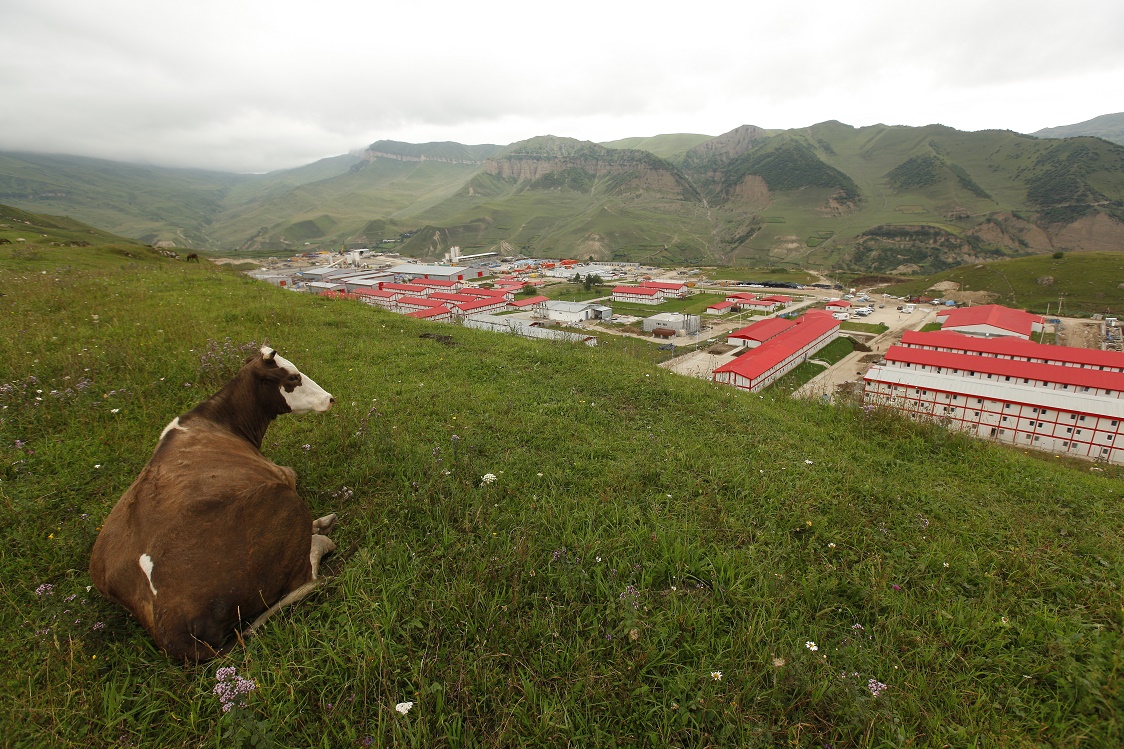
x: 619, y: 170
x: 726, y: 147
x: 372, y: 155
x: 1094, y: 232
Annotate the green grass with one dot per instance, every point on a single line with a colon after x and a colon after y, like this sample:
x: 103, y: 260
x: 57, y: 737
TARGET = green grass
x: 1084, y: 282
x: 645, y: 531
x: 575, y: 292
x: 694, y: 304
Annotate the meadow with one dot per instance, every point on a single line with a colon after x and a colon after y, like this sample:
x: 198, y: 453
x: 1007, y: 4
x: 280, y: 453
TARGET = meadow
x: 542, y: 544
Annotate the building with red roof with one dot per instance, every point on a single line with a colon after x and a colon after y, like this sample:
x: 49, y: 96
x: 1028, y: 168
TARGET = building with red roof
x: 1015, y: 348
x: 668, y: 289
x: 990, y: 320
x: 534, y: 302
x: 377, y: 297
x: 1068, y: 401
x: 754, y: 335
x: 839, y: 305
x: 439, y: 313
x: 490, y: 306
x: 637, y: 295
x: 766, y: 363
x: 407, y: 304
x: 721, y: 308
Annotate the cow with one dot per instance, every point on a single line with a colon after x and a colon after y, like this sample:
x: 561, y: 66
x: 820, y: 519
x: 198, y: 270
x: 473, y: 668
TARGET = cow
x: 212, y: 534
x: 191, y: 258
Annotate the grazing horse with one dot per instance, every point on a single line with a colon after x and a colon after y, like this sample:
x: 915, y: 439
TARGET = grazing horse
x: 212, y: 534
x: 191, y: 258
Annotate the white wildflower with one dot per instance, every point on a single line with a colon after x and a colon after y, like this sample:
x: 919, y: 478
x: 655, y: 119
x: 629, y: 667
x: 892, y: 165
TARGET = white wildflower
x: 404, y: 707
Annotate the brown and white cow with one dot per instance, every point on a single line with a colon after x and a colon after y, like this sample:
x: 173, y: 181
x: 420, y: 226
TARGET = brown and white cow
x: 212, y: 534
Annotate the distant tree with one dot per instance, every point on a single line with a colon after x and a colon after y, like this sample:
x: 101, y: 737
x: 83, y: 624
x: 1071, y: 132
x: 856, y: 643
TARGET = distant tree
x: 1058, y: 255
x: 591, y: 280
x: 577, y: 278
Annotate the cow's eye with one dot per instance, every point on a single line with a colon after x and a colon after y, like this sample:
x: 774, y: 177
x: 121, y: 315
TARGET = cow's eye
x: 294, y: 378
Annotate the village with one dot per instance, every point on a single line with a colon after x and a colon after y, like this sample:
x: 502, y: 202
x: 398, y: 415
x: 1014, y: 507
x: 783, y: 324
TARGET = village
x: 975, y: 369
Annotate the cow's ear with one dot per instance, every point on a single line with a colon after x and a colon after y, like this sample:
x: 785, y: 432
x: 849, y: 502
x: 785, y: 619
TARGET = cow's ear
x: 267, y: 353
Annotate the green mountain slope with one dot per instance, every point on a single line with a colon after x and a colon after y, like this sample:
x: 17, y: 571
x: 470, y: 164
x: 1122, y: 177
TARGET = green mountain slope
x: 672, y: 147
x: 146, y: 203
x: 1107, y: 126
x: 879, y: 198
x: 563, y: 197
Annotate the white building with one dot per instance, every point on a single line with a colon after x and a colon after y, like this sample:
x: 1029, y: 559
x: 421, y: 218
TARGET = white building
x: 1064, y: 406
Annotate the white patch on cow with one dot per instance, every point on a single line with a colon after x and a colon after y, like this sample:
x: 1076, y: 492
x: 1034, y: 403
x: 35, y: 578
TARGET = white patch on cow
x: 174, y: 424
x: 147, y: 566
x: 308, y: 396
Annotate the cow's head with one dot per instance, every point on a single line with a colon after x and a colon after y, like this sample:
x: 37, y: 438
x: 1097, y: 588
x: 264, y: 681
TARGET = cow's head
x: 298, y: 390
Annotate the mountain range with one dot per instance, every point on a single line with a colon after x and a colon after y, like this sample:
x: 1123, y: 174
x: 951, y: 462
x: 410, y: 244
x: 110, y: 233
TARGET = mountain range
x: 878, y: 198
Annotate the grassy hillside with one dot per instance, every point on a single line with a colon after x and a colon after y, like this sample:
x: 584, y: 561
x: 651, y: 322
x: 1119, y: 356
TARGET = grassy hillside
x: 672, y: 146
x: 341, y: 207
x: 31, y: 242
x: 934, y: 177
x: 1085, y: 283
x: 142, y: 202
x: 659, y: 562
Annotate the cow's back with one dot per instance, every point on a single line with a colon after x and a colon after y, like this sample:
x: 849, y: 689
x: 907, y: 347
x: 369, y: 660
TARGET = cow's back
x: 209, y: 534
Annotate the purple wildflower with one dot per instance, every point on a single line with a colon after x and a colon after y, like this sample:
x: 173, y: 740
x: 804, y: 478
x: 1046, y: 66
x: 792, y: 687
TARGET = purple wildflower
x: 45, y: 589
x: 231, y: 687
x: 876, y: 687
x: 631, y: 596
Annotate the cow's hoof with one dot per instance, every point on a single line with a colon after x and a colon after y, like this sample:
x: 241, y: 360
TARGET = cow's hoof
x: 325, y: 525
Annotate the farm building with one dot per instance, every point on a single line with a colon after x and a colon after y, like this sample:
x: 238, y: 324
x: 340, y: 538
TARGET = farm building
x: 740, y: 296
x: 839, y: 305
x: 1068, y: 406
x: 990, y: 320
x: 768, y: 362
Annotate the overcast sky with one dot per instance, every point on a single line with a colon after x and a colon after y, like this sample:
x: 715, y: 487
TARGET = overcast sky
x: 255, y: 86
